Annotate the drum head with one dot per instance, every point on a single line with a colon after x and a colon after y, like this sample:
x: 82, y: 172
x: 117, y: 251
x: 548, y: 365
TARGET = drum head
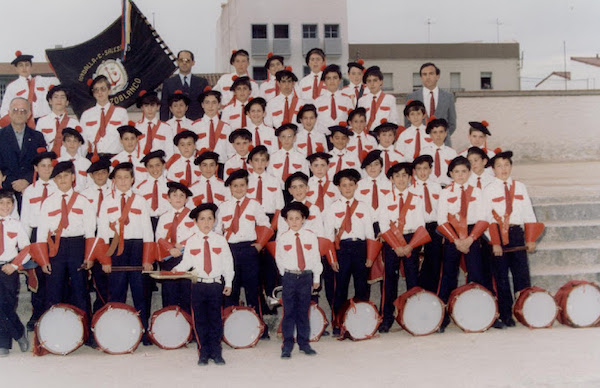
x: 361, y: 320
x: 318, y: 322
x: 60, y: 330
x: 118, y: 330
x: 422, y: 313
x: 474, y: 310
x: 170, y: 329
x: 242, y: 329
x: 583, y: 305
x: 539, y: 309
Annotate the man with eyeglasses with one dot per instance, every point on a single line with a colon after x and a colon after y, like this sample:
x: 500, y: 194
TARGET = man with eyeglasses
x: 18, y: 146
x: 189, y: 84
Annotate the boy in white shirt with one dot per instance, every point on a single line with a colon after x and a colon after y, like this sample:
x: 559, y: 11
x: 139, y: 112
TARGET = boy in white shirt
x: 414, y: 138
x: 311, y: 86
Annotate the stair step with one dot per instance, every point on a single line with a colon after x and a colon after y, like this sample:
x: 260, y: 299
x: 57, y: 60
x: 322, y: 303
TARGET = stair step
x: 552, y: 282
x: 565, y: 254
x: 560, y: 211
x: 571, y: 230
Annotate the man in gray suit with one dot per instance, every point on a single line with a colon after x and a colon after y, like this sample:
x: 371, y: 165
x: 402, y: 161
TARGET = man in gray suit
x: 438, y: 102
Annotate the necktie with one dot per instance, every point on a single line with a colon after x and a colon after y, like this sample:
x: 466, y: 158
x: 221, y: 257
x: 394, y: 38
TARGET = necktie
x: 186, y: 85
x: 333, y: 108
x: 400, y: 206
x: 463, y: 202
x: 100, y: 199
x: 188, y: 173
x: 57, y: 138
x: 479, y: 182
x: 244, y: 166
x: 286, y: 112
x: 437, y: 167
x: 356, y: 92
x: 431, y: 105
x: 360, y: 148
x: 149, y: 139
x: 315, y: 88
x: 300, y: 253
x: 417, y: 144
x: 178, y: 125
x: 154, y: 203
x: 309, y: 150
x: 102, y: 128
x: 243, y: 116
x: 122, y: 202
x: 209, y: 194
x: 348, y: 218
x: 387, y: 160
x: 235, y: 223
x: 259, y: 190
x: 339, y: 164
x: 64, y: 214
x: 286, y: 167
x: 211, y: 135
x: 31, y: 85
x: 207, y: 261
x: 375, y: 196
x: 130, y: 159
x: 45, y: 192
x: 373, y: 111
x: 173, y: 230
x: 428, y: 207
x: 257, y: 137
x: 508, y: 199
x: 320, y: 194
x: 1, y: 236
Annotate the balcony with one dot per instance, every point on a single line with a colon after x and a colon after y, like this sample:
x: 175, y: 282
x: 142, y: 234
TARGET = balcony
x: 260, y: 47
x: 310, y: 43
x: 333, y: 46
x: 282, y: 47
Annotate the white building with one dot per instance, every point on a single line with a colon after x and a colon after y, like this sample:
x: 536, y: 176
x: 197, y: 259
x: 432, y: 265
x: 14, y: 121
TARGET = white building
x: 464, y: 66
x: 284, y: 27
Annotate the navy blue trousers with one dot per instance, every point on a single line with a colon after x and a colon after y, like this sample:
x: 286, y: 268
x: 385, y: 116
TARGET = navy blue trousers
x: 429, y: 275
x: 119, y: 281
x: 518, y: 265
x: 246, y: 267
x: 38, y: 299
x: 66, y: 282
x: 207, y: 299
x: 296, y: 297
x: 352, y: 258
x: 10, y: 324
x: 175, y: 292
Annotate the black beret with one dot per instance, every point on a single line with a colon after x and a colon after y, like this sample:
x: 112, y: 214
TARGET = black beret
x: 258, y: 100
x: 146, y: 97
x: 285, y: 73
x: 100, y: 164
x: 185, y: 134
x: 371, y: 157
x: 413, y: 104
x: 42, y: 155
x: 200, y: 208
x: 180, y: 186
x: 331, y: 69
x: 360, y: 110
x: 385, y: 127
x: 319, y: 155
x: 271, y: 57
x: 128, y: 129
x: 237, y: 174
x: 500, y: 155
x: 293, y: 177
x: 341, y: 129
x: 291, y: 126
x: 206, y: 155
x: 178, y: 96
x: 242, y: 132
x: 57, y: 88
x: 298, y: 206
x: 258, y: 149
x: 478, y: 151
x: 61, y: 167
x: 373, y: 70
x: 20, y: 57
x: 245, y: 80
x: 235, y: 53
x: 358, y: 64
x: 304, y: 109
x: 422, y: 159
x: 72, y: 132
x: 459, y: 160
x: 397, y: 167
x: 154, y: 154
x: 312, y: 51
x: 480, y: 126
x: 436, y: 123
x: 349, y: 173
x: 209, y: 92
x: 121, y: 166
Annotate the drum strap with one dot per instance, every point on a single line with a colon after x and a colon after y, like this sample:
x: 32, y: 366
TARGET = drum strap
x: 54, y: 245
x: 118, y: 239
x: 342, y: 228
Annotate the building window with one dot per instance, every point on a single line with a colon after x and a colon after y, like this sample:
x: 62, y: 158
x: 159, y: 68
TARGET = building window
x: 259, y: 31
x: 281, y: 31
x: 486, y: 80
x: 417, y: 81
x: 388, y: 81
x: 259, y: 73
x: 305, y: 70
x: 455, y: 82
x: 332, y: 30
x: 309, y: 31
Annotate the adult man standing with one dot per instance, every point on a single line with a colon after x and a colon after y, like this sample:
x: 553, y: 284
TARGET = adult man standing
x: 18, y: 147
x: 438, y: 102
x: 191, y: 85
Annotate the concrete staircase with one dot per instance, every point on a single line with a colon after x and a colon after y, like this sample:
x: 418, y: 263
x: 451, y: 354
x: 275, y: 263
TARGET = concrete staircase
x: 570, y: 246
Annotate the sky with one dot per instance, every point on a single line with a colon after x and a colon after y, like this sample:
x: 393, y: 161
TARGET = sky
x: 540, y: 26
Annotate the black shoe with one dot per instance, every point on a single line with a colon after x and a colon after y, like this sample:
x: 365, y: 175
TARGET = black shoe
x: 146, y: 341
x: 265, y: 335
x: 326, y: 333
x: 91, y: 342
x: 510, y: 322
x: 336, y: 332
x: 308, y: 351
x: 444, y: 325
x: 384, y: 328
x: 287, y: 354
x: 219, y: 360
x: 203, y: 360
x: 498, y: 324
x: 23, y: 342
x: 30, y: 325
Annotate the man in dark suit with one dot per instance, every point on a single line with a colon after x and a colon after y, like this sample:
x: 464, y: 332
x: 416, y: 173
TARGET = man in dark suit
x: 438, y: 102
x: 189, y: 84
x: 18, y: 147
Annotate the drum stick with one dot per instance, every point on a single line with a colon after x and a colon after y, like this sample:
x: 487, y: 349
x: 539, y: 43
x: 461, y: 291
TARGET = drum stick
x: 514, y: 249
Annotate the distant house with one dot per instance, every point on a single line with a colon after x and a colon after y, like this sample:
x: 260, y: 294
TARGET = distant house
x: 554, y: 81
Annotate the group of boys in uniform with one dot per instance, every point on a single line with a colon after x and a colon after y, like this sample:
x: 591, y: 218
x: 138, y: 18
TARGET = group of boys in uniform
x: 316, y: 170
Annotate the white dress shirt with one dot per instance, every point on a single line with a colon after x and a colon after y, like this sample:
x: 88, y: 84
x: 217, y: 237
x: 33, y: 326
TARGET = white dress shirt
x: 90, y: 122
x: 306, y: 86
x: 343, y: 105
x: 82, y: 217
x: 362, y: 220
x: 220, y: 193
x: 387, y: 110
x: 494, y: 199
x: 276, y: 109
x: 254, y: 214
x: 286, y: 255
x: 297, y: 162
x: 348, y: 160
x: 145, y: 189
x: 445, y: 154
x: 32, y: 203
x: 450, y: 200
x: 272, y: 194
x: 391, y: 212
x: 406, y: 142
x: 434, y: 189
x: 15, y: 237
x: 202, y: 128
x: 20, y: 88
x: 139, y: 226
x: 224, y: 86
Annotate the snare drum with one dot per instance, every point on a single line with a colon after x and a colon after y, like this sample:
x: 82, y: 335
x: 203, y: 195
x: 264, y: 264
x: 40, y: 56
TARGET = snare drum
x: 473, y: 308
x: 358, y: 319
x: 62, y: 329
x: 242, y: 327
x: 317, y: 320
x: 117, y: 328
x: 419, y: 311
x: 170, y: 327
x: 579, y: 303
x: 535, y: 308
